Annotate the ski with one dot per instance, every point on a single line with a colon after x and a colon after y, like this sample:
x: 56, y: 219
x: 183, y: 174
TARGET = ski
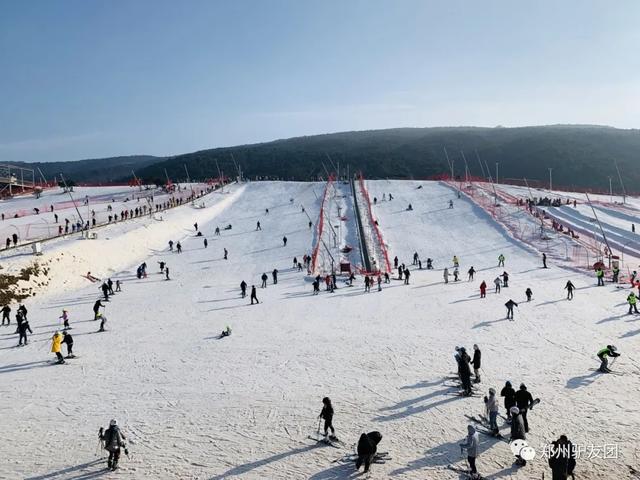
x: 324, y: 441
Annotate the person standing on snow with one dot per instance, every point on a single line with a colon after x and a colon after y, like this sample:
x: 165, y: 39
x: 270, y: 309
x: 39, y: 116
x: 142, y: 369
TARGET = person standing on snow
x: 407, y: 274
x: 105, y: 291
x: 529, y: 293
x: 67, y: 339
x: 455, y: 274
x: 65, y: 319
x: 258, y: 227
x: 569, y: 287
x: 23, y: 328
x: 445, y: 274
x: 509, y: 395
x: 56, y: 341
x: 96, y: 309
x: 274, y: 275
x: 544, y: 260
x: 505, y: 279
x: 517, y: 432
x: 264, y: 280
x: 166, y: 273
x: 562, y: 458
x: 471, y: 273
x: 501, y: 260
x: 6, y: 310
x: 510, y: 304
x: 103, y: 320
x: 254, y: 295
x: 113, y: 441
x: 483, y: 289
x: 492, y: 410
x: 171, y: 245
x: 600, y: 276
x: 465, y: 371
x: 471, y: 446
x: 178, y: 247
x: 206, y: 243
x: 497, y: 282
x: 456, y: 263
x: 226, y: 254
x: 284, y: 241
x: 632, y: 300
x: 477, y: 358
x: 243, y: 288
x: 327, y: 415
x: 367, y: 283
x: 524, y: 402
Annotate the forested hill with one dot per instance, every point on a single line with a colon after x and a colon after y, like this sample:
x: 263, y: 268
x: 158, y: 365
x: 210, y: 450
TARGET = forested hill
x: 580, y: 155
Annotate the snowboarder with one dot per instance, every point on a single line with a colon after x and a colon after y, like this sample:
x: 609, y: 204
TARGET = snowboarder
x: 477, y: 358
x: 254, y: 296
x: 243, y: 288
x: 497, y: 282
x: 544, y: 260
x: 96, y: 309
x: 367, y: 448
x: 569, y: 287
x: 23, y: 328
x: 327, y: 415
x: 632, y: 301
x: 284, y: 241
x: 529, y: 293
x: 445, y: 274
x: 56, y: 340
x: 517, y: 432
x: 471, y: 446
x: 274, y: 275
x: 562, y: 458
x: 65, y: 319
x: 483, y: 289
x: 510, y: 304
x: 471, y: 273
x: 608, y: 351
x: 113, y: 440
x: 509, y: 395
x: 264, y: 280
x: 501, y: 260
x: 67, y: 339
x: 524, y: 402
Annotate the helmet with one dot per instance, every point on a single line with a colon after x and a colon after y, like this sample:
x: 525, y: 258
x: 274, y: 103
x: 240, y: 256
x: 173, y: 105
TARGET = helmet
x: 492, y: 391
x: 507, y: 383
x: 113, y: 422
x: 514, y: 410
x: 326, y: 400
x: 612, y: 348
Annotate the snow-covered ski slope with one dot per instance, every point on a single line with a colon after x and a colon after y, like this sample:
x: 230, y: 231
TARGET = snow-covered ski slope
x: 197, y: 407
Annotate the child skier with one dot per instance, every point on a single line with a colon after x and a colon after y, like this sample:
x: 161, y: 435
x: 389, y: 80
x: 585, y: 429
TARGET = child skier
x: 65, y: 319
x: 56, y: 342
x: 327, y: 415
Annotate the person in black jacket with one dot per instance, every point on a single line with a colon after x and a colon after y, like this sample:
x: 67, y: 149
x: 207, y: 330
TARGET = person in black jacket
x: 465, y: 371
x: 264, y: 278
x: 254, y: 295
x: 243, y: 288
x: 274, y: 274
x: 96, y: 309
x: 367, y: 448
x: 529, y: 293
x: 113, y: 440
x: 68, y: 340
x: 518, y: 432
x: 23, y: 311
x: 562, y: 458
x: 509, y: 395
x: 327, y: 415
x: 6, y: 310
x: 477, y: 354
x: 23, y: 328
x: 524, y: 401
x: 510, y: 304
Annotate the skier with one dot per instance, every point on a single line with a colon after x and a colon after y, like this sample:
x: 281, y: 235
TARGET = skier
x: 23, y: 311
x: 509, y: 395
x: 103, y: 320
x: 206, y: 243
x: 178, y: 247
x: 96, y: 309
x: 367, y: 448
x: 379, y: 282
x: 316, y: 287
x: 562, y: 458
x: 113, y: 440
x: 264, y: 280
x: 529, y: 293
x: 110, y: 286
x: 226, y: 254
x: 162, y: 264
x: 510, y: 304
x: 471, y: 446
x: 284, y: 241
x: 608, y: 351
x: 517, y: 432
x: 171, y: 245
x: 217, y: 231
x: 600, y: 276
x: 395, y: 262
x: 6, y: 310
x: 450, y: 203
x: 226, y: 332
x: 471, y: 272
x: 65, y: 319
x: 569, y: 287
x: 254, y: 296
x: 367, y: 283
x: 445, y: 274
x: 456, y: 273
x: 243, y: 288
x: 56, y: 340
x: 415, y: 258
x: 166, y: 273
x: 195, y: 226
x: 429, y: 264
x: 456, y: 263
x: 118, y: 286
x: 477, y: 356
x: 501, y: 260
x: 505, y: 279
x: 615, y: 272
x: 67, y: 339
x: 492, y: 409
x: 23, y: 328
x: 327, y: 415
x: 258, y: 227
x: 407, y: 273
x: 524, y: 402
x: 544, y: 260
x: 274, y: 275
x: 497, y: 282
x: 483, y: 289
x: 632, y: 301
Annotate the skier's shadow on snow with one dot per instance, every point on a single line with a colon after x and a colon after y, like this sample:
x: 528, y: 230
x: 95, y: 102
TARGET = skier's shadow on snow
x: 15, y: 367
x: 341, y: 471
x: 630, y: 333
x: 406, y: 408
x: 488, y: 323
x: 247, y: 467
x: 65, y: 472
x: 611, y: 319
x: 582, y: 380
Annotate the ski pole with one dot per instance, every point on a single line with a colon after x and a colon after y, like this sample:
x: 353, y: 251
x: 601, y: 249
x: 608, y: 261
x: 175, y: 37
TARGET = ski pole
x: 319, y: 421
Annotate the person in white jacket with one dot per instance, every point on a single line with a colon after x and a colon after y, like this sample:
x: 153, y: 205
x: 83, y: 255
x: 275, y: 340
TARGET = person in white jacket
x: 471, y: 446
x: 492, y: 411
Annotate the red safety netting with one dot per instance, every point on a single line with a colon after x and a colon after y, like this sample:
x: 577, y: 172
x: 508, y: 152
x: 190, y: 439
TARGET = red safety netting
x: 374, y: 225
x: 320, y: 225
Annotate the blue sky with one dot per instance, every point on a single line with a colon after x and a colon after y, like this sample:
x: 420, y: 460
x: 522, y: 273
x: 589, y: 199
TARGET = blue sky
x: 86, y: 79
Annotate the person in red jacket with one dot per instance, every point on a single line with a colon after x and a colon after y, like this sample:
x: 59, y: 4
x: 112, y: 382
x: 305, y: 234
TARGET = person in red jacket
x: 483, y: 289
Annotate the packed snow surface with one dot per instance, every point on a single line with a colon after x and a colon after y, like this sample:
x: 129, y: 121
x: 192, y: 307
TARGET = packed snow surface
x: 194, y: 406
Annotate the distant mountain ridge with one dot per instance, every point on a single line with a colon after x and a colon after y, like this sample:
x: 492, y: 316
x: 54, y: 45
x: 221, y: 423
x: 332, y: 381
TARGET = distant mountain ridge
x: 580, y: 156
